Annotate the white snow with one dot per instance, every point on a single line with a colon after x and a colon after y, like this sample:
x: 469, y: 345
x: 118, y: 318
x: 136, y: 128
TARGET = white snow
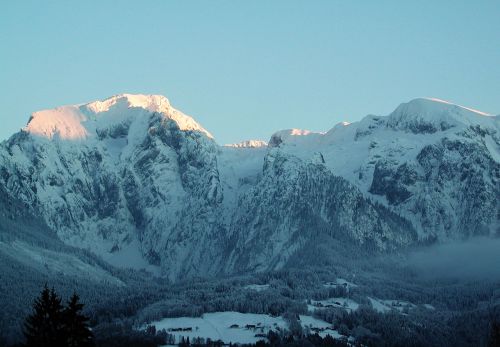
x: 465, y: 108
x: 257, y: 287
x: 383, y: 306
x: 239, y: 169
x: 63, y: 122
x: 248, y: 144
x: 339, y: 282
x: 429, y: 307
x: 399, y: 305
x: 319, y: 326
x: 378, y: 306
x: 107, y: 134
x: 129, y: 256
x: 153, y: 103
x: 237, y: 327
x: 77, y: 122
x: 340, y: 302
x: 218, y: 326
x: 350, y: 150
x: 437, y: 111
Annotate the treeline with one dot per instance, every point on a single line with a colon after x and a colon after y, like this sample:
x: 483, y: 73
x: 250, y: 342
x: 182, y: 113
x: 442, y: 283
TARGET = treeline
x: 418, y: 327
x: 462, y: 315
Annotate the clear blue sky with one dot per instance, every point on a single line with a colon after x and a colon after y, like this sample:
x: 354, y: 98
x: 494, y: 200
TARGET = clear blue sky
x: 247, y: 69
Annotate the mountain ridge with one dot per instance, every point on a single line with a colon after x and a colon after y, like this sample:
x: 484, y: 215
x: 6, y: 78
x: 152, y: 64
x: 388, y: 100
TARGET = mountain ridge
x: 131, y: 176
x: 427, y: 107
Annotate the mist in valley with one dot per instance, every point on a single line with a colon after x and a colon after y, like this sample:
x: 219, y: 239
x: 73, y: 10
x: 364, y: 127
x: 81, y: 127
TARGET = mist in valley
x: 477, y: 258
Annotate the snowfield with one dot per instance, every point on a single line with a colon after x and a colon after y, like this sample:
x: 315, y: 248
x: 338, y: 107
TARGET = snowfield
x: 235, y: 327
x: 318, y: 326
x: 229, y: 327
x: 400, y: 306
x: 340, y: 282
x: 345, y: 303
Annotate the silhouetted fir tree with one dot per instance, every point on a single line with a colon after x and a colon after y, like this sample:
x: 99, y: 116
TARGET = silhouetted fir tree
x: 52, y: 325
x: 44, y: 327
x: 77, y: 324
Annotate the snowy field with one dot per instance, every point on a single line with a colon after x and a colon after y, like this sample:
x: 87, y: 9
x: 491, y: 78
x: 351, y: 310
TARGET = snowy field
x: 318, y: 326
x: 339, y: 282
x: 345, y: 303
x: 236, y: 327
x: 229, y: 327
x: 383, y: 306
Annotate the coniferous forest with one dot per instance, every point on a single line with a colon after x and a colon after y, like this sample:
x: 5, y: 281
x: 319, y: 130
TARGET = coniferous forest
x: 463, y: 314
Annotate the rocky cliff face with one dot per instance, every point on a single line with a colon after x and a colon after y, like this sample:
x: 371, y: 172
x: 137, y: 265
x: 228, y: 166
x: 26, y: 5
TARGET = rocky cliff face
x: 296, y: 202
x: 451, y: 187
x: 434, y: 163
x: 135, y: 180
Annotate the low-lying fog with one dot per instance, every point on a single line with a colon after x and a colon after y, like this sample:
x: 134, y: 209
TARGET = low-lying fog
x: 475, y: 258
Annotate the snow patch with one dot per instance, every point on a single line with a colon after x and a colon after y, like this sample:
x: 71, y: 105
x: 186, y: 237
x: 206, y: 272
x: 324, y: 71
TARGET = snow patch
x: 257, y: 287
x: 130, y: 256
x: 384, y: 306
x: 340, y: 302
x: 248, y: 144
x: 319, y: 326
x: 339, y: 282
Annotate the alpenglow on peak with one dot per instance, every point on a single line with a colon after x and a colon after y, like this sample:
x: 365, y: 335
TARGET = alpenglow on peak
x: 78, y: 122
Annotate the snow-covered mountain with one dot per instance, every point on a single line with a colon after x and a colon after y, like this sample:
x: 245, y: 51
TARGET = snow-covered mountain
x: 435, y: 163
x: 143, y: 185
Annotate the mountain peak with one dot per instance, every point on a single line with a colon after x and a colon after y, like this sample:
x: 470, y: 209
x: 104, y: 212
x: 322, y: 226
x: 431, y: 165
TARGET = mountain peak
x: 437, y: 105
x: 429, y: 115
x: 77, y: 122
x: 153, y: 103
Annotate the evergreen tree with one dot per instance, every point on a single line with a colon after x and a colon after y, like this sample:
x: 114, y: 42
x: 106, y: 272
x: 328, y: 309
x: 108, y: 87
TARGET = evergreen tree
x: 52, y: 325
x: 44, y: 327
x: 76, y: 324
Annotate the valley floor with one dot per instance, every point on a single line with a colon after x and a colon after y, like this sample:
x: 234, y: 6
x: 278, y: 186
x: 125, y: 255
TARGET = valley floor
x: 236, y: 327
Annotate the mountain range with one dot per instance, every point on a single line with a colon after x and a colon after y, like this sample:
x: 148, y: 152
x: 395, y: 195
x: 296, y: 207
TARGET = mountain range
x: 142, y: 185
